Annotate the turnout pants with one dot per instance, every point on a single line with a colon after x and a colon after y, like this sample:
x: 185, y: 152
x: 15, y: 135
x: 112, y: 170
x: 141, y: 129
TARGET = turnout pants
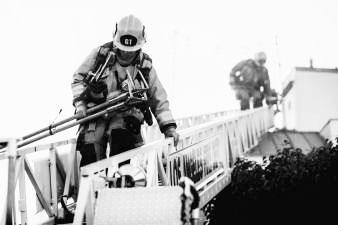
x: 92, y: 141
x: 245, y: 94
x: 94, y: 137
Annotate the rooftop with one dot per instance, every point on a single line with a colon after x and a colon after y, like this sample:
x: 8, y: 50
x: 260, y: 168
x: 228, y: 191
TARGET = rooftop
x: 313, y: 69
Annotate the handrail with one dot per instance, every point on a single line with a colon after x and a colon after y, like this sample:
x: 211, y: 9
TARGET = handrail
x: 23, y: 166
x: 152, y: 133
x: 209, y: 152
x: 221, y: 140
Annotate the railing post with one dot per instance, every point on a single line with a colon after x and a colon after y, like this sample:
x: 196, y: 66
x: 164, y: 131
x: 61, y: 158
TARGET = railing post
x: 161, y: 171
x: 11, y: 151
x: 90, y: 205
x: 82, y: 200
x: 76, y: 170
x: 53, y: 182
x: 22, y: 188
x: 254, y: 129
x: 152, y: 177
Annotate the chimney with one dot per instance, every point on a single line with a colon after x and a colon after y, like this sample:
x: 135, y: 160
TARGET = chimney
x: 311, y: 63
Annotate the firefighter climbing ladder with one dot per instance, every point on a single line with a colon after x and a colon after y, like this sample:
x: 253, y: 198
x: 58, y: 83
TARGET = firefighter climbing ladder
x: 208, y: 147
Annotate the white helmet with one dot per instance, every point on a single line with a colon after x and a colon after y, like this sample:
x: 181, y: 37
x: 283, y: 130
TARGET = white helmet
x: 129, y: 34
x: 260, y: 58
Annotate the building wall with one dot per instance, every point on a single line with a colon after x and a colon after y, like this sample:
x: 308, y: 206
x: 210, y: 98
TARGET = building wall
x: 312, y: 101
x: 317, y: 98
x: 289, y: 110
x: 289, y: 103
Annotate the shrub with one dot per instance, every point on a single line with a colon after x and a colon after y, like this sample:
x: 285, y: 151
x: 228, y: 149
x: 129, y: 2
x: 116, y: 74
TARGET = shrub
x: 288, y: 187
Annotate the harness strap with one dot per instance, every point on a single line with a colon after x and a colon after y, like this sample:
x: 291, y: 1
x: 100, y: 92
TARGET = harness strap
x: 139, y: 62
x: 118, y: 84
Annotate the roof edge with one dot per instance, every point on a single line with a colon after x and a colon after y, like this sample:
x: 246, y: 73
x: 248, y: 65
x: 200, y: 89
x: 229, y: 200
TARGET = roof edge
x: 312, y: 69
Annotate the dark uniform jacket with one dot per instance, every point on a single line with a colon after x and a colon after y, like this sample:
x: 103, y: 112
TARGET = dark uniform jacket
x: 248, y: 74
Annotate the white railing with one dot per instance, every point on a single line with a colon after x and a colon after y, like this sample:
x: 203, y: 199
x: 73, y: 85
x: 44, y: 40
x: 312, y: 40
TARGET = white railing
x: 152, y: 133
x: 59, y: 170
x: 205, y: 153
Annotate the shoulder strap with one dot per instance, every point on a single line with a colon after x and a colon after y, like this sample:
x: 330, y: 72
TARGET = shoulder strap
x: 145, y: 65
x: 102, y: 55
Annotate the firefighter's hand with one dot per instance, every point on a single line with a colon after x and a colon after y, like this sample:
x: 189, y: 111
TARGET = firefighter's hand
x: 98, y: 86
x: 171, y: 132
x: 271, y: 100
x: 97, y: 91
x: 81, y: 109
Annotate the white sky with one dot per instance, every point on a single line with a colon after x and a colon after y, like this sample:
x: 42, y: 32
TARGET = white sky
x: 194, y: 44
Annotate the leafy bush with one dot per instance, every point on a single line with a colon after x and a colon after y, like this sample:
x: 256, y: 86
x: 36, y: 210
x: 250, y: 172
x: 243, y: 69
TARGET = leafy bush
x: 288, y: 187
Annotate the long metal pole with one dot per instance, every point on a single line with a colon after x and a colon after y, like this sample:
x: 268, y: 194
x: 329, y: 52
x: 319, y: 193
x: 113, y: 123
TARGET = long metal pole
x: 67, y: 126
x: 90, y: 111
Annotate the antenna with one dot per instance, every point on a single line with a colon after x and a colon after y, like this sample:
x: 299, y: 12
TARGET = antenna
x: 277, y: 55
x: 279, y: 65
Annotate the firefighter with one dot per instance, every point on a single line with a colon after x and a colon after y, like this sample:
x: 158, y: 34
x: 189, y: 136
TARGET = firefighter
x: 250, y: 79
x: 121, y: 129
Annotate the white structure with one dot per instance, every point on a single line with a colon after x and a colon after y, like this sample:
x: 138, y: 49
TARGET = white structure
x: 330, y: 130
x: 310, y: 98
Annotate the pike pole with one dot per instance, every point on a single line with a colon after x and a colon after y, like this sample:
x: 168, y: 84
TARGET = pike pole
x: 104, y: 109
x: 89, y: 111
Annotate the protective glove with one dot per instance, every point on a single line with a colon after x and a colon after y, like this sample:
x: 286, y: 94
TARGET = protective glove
x: 81, y: 109
x: 98, y: 91
x: 171, y: 132
x: 271, y: 100
x: 97, y: 86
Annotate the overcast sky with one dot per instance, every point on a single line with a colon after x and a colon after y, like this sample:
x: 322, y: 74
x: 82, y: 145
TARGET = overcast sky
x: 193, y: 44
